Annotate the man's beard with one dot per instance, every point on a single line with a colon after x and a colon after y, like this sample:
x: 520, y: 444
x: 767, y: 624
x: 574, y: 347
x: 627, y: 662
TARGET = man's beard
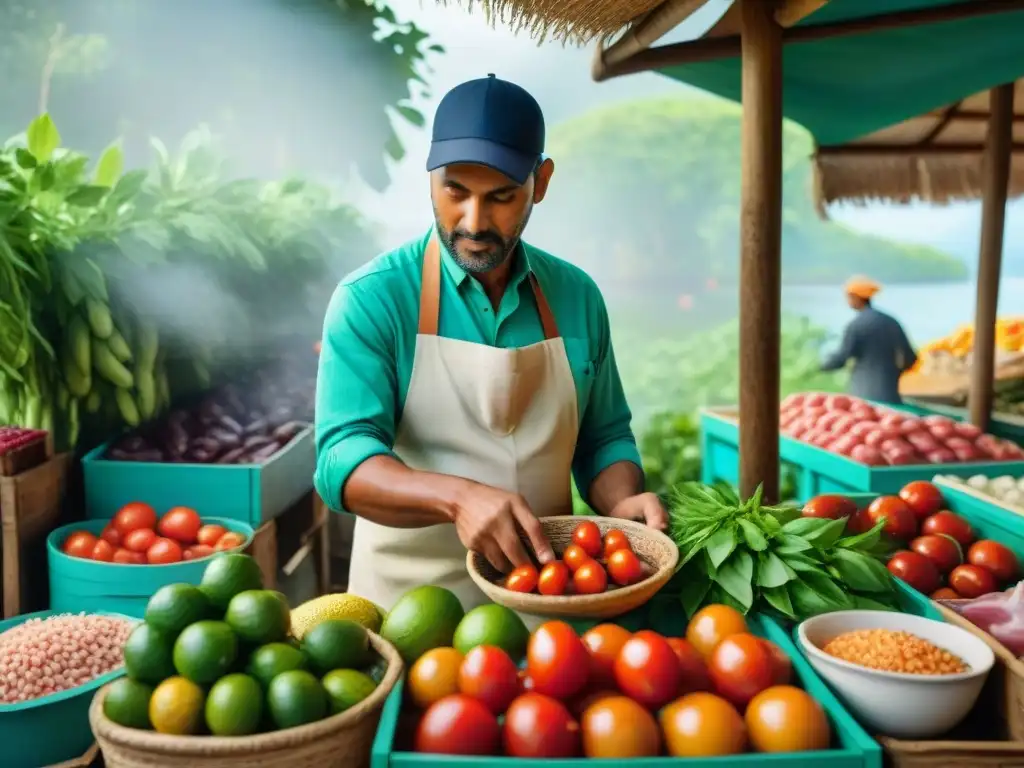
x: 478, y: 262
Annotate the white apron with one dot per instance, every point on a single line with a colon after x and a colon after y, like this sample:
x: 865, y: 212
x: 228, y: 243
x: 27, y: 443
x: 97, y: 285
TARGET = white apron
x: 503, y: 417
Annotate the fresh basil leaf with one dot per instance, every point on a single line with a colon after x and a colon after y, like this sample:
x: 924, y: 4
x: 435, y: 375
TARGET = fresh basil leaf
x: 772, y: 572
x: 693, y: 593
x: 769, y: 524
x: 827, y: 589
x: 865, y: 603
x: 789, y: 544
x: 755, y: 501
x: 863, y: 541
x: 826, y: 535
x: 709, y: 567
x: 801, y: 564
x: 783, y: 513
x: 718, y: 596
x: 778, y: 598
x: 752, y: 534
x: 803, y: 526
x: 862, y: 572
x: 721, y: 544
x: 806, y: 601
x: 735, y: 577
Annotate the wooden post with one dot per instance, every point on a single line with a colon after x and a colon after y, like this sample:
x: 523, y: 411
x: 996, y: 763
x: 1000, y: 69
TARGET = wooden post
x: 996, y: 176
x: 760, y: 247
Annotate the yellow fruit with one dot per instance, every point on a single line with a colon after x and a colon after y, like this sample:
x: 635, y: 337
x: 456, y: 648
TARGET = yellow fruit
x: 434, y: 676
x: 339, y: 606
x: 176, y: 707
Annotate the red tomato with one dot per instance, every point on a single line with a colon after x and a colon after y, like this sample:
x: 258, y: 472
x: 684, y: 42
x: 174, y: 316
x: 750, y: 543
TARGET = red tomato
x: 603, y: 643
x: 858, y: 523
x: 951, y: 525
x: 164, y: 551
x: 575, y: 556
x: 525, y: 682
x: 522, y: 579
x: 79, y: 544
x: 923, y: 498
x: 694, y: 672
x: 103, y: 551
x: 557, y: 660
x: 830, y: 505
x: 945, y: 593
x: 133, y: 516
x: 942, y: 550
x: 229, y: 540
x: 124, y: 557
x: 181, y: 524
x: 972, y: 581
x: 139, y: 540
x: 741, y: 667
x: 900, y: 522
x: 209, y: 535
x: 197, y: 551
x: 489, y: 676
x: 587, y: 537
x: 590, y: 579
x: 539, y: 726
x: 625, y: 567
x: 458, y: 725
x: 111, y: 535
x: 554, y: 579
x: 915, y: 569
x: 615, y: 540
x: 782, y: 666
x: 994, y: 557
x: 648, y: 670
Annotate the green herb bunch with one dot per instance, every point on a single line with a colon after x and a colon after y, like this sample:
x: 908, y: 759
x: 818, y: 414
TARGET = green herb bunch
x: 769, y: 558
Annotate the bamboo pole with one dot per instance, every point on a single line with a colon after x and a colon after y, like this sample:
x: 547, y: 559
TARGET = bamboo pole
x: 760, y: 247
x: 996, y: 177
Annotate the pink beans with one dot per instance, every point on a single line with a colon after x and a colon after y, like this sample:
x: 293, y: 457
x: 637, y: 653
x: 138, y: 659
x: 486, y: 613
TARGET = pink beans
x: 44, y: 656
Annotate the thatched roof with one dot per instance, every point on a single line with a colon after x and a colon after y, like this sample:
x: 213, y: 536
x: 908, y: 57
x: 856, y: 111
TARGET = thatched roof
x: 935, y: 157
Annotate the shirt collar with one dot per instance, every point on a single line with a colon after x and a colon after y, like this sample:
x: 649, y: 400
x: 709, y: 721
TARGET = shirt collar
x: 520, y: 269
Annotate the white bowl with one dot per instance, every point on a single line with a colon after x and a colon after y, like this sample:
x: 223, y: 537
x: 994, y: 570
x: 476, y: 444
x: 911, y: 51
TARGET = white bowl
x: 897, y: 704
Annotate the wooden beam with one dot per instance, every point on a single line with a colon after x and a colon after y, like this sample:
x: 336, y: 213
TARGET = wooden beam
x: 980, y: 115
x: 788, y: 13
x: 990, y: 256
x: 909, y: 150
x: 760, y: 248
x: 940, y: 125
x: 712, y: 49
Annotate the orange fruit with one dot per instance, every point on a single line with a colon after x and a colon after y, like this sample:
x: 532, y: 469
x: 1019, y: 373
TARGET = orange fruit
x: 703, y: 725
x: 787, y: 719
x: 712, y: 624
x: 616, y: 726
x: 434, y: 676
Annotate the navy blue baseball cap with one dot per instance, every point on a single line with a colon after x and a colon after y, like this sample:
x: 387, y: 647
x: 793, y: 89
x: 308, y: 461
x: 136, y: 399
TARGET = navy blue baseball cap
x: 488, y: 122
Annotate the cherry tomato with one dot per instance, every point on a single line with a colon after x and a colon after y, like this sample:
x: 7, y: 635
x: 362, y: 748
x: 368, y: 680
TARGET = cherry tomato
x: 525, y: 682
x: 923, y: 498
x: 703, y: 725
x: 616, y: 726
x: 900, y: 522
x: 951, y: 525
x: 79, y: 544
x: 554, y: 578
x: 124, y: 556
x: 590, y: 579
x: 994, y: 557
x: 712, y: 624
x: 433, y: 676
x: 944, y: 593
x: 103, y: 551
x: 858, y: 523
x: 831, y: 506
x: 209, y: 535
x: 196, y: 551
x: 111, y: 535
x: 489, y: 676
x: 786, y: 719
x: 133, y: 516
x: 625, y: 567
x: 781, y: 665
x: 915, y: 569
x: 181, y: 524
x: 648, y: 670
x: 693, y: 671
x: 557, y: 660
x: 579, y: 704
x: 741, y: 667
x: 229, y: 540
x: 575, y: 556
x: 942, y: 550
x: 458, y: 725
x: 587, y: 537
x: 163, y: 551
x: 972, y: 581
x: 139, y: 540
x: 522, y: 579
x: 615, y: 540
x: 603, y: 643
x: 539, y: 726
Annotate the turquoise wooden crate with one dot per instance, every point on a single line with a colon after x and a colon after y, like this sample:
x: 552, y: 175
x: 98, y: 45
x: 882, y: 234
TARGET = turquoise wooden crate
x: 819, y: 471
x: 853, y: 747
x: 252, y: 494
x: 51, y: 729
x: 77, y: 584
x: 1005, y: 426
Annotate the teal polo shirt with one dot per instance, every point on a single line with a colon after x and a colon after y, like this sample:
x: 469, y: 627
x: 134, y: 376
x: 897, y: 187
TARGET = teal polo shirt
x: 369, y: 340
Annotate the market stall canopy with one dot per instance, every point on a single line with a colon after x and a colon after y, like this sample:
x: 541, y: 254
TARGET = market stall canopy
x: 935, y: 157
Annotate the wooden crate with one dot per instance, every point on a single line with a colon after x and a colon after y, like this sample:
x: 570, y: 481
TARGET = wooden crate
x: 26, y: 457
x: 264, y: 550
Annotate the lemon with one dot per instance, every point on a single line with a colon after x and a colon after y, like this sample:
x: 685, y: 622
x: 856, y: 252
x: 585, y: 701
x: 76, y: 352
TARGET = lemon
x: 176, y: 707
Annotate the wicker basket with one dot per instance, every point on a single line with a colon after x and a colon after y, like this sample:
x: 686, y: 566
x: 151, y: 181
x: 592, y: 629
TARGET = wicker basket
x: 656, y: 550
x: 340, y: 741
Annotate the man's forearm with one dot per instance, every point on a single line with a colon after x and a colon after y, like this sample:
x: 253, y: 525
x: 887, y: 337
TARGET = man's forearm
x: 385, y: 491
x: 614, y: 483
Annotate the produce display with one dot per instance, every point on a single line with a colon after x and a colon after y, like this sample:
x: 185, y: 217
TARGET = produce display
x: 13, y: 438
x: 952, y: 354
x: 1004, y: 489
x: 1001, y: 614
x: 136, y: 537
x: 894, y: 651
x: 880, y: 436
x: 219, y: 659
x: 43, y: 656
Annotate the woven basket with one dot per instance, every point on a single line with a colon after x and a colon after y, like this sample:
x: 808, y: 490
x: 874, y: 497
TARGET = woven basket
x: 340, y: 741
x: 656, y: 550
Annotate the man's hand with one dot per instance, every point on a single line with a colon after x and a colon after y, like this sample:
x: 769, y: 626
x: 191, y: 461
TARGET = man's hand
x: 644, y: 508
x: 488, y: 520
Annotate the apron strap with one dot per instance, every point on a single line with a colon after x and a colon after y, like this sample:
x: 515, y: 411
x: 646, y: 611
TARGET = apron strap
x: 430, y: 296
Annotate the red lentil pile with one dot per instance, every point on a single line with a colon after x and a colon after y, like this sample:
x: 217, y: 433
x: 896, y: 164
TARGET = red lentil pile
x: 889, y: 651
x: 44, y: 656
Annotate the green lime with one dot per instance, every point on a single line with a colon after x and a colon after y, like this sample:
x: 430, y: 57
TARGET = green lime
x: 227, y: 575
x: 346, y: 688
x: 423, y: 618
x: 175, y: 606
x: 268, y: 661
x: 234, y: 706
x: 258, y: 616
x: 126, y: 703
x: 495, y: 625
x: 296, y: 698
x: 337, y: 644
x: 205, y: 651
x: 148, y: 654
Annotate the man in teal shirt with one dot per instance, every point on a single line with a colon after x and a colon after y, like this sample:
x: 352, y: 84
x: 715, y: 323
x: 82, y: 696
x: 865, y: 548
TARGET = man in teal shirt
x: 464, y: 374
